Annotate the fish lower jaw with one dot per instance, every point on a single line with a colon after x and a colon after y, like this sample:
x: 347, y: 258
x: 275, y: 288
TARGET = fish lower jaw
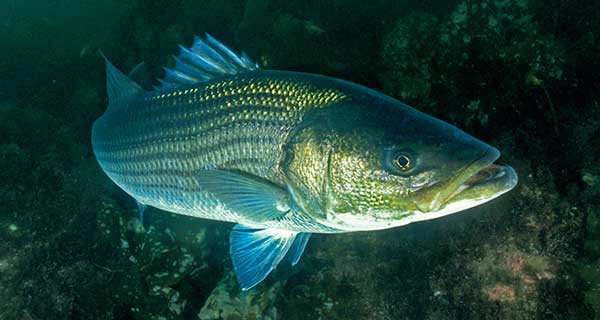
x: 484, y: 185
x: 490, y: 182
x: 433, y: 205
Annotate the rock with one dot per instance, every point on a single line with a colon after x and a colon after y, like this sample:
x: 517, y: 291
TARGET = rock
x: 407, y: 77
x: 228, y: 302
x: 593, y: 221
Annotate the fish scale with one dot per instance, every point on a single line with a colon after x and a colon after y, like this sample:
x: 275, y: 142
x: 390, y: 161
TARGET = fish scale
x: 152, y: 146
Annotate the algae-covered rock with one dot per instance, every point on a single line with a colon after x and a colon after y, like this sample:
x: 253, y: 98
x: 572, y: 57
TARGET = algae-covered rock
x: 591, y: 178
x: 592, y: 248
x: 169, y: 257
x: 590, y: 273
x: 520, y: 268
x: 593, y: 221
x: 408, y: 55
x: 228, y: 302
x: 13, y: 160
x: 589, y: 266
x: 443, y: 64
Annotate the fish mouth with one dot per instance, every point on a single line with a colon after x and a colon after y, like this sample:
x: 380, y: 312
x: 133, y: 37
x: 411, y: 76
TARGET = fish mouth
x: 486, y: 184
x: 476, y: 183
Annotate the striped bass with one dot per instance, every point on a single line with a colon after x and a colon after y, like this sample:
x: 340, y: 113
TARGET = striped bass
x: 284, y: 154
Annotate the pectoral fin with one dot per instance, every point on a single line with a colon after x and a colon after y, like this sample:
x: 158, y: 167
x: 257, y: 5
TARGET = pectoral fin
x: 255, y: 252
x: 253, y: 196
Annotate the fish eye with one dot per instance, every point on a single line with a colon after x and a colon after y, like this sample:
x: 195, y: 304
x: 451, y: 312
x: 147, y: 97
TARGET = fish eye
x: 402, y: 161
x: 399, y: 162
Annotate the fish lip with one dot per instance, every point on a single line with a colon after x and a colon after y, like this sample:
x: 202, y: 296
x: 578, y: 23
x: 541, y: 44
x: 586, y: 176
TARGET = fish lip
x: 481, y: 172
x: 487, y: 159
x: 448, y: 188
x: 502, y: 178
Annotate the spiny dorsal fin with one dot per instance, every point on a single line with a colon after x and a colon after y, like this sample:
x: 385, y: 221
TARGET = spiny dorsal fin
x: 118, y: 85
x: 204, y: 60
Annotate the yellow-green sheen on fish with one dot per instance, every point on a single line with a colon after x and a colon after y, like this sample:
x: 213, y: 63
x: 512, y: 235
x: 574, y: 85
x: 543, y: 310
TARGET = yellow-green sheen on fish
x: 284, y: 154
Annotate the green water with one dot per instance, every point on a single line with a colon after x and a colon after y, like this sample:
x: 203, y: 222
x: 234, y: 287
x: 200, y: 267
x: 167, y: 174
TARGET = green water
x: 522, y: 75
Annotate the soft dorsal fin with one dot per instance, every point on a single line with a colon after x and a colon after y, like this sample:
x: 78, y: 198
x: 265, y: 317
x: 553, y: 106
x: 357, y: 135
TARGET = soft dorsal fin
x: 204, y: 60
x: 118, y: 85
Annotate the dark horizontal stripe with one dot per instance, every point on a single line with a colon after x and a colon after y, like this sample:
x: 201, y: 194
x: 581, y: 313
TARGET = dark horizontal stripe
x: 241, y: 144
x: 197, y: 112
x: 189, y: 131
x: 235, y: 130
x: 201, y: 145
x: 247, y: 162
x: 164, y: 175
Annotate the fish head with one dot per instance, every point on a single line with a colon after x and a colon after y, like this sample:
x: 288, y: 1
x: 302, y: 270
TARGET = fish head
x: 388, y: 165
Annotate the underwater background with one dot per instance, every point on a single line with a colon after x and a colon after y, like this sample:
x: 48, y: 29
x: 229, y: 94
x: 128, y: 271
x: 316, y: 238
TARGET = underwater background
x: 522, y: 75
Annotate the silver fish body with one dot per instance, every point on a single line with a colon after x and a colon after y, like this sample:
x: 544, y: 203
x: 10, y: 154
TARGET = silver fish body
x: 153, y: 144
